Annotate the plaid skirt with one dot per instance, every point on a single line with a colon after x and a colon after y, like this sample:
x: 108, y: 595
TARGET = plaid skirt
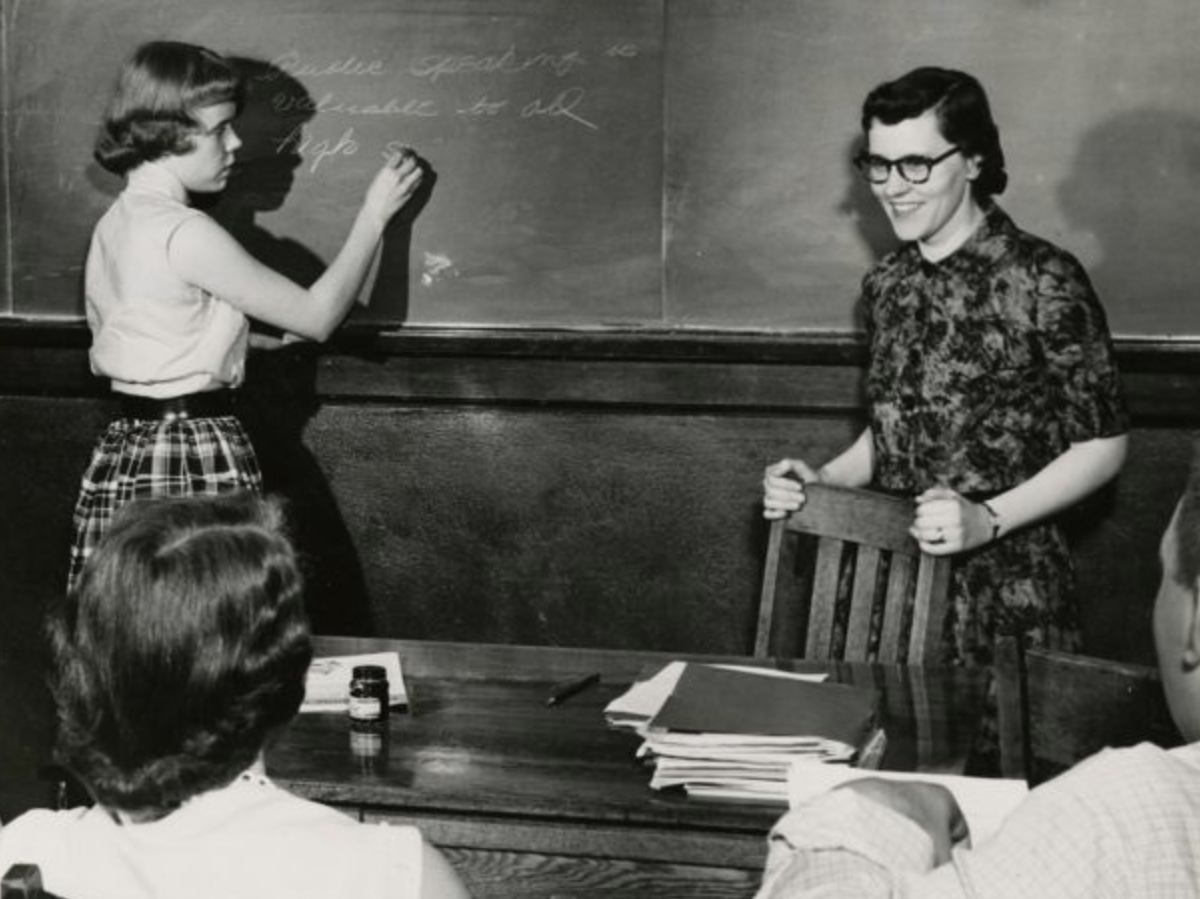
x: 142, y: 458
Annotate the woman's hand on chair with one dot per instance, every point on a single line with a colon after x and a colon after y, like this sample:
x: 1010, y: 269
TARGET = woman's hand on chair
x: 946, y: 522
x: 783, y: 487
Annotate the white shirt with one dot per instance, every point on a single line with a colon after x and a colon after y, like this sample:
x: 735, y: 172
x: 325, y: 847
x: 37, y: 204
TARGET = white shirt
x: 153, y: 333
x: 1123, y: 824
x: 249, y: 840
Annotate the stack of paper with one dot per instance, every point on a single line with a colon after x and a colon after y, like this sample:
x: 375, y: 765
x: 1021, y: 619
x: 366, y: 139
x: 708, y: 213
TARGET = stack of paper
x: 734, y: 732
x: 327, y: 685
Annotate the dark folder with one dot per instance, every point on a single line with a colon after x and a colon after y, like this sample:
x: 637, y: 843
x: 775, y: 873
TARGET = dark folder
x: 719, y: 700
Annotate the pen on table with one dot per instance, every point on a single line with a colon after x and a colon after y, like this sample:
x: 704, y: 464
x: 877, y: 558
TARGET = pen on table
x: 562, y: 693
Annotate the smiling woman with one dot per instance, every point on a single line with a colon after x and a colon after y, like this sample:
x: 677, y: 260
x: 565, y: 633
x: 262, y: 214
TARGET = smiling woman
x: 993, y: 397
x: 170, y: 292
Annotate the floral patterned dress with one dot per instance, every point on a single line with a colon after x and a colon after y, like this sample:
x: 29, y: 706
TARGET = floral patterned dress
x: 984, y: 368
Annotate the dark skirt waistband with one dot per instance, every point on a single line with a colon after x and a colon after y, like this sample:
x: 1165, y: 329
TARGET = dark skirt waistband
x: 206, y: 404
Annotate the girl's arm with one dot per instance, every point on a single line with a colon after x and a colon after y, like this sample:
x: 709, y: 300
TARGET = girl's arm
x: 205, y: 254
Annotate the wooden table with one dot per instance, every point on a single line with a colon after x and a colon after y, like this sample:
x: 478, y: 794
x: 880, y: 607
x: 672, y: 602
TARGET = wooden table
x: 542, y: 802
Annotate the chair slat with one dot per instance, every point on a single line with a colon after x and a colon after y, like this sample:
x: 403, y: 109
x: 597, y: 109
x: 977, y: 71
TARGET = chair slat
x: 929, y: 608
x: 899, y: 588
x: 862, y: 602
x: 766, y: 604
x: 826, y: 583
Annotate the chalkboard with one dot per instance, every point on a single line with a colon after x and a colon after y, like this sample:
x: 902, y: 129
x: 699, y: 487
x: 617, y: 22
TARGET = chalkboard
x: 1098, y: 115
x: 625, y: 163
x: 541, y: 122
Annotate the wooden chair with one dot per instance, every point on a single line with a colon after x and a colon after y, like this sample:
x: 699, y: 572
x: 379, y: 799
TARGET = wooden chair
x: 1057, y: 708
x: 865, y: 591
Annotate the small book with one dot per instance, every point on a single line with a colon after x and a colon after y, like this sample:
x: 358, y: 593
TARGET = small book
x: 327, y: 685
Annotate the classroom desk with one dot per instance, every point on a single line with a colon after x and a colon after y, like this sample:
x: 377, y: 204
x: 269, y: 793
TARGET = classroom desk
x: 542, y: 802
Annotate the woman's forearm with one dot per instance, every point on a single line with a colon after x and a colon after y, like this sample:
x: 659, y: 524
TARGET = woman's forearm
x: 1081, y: 470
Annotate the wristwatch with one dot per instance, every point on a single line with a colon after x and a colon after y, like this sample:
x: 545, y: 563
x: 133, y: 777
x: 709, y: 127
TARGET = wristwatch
x: 995, y: 518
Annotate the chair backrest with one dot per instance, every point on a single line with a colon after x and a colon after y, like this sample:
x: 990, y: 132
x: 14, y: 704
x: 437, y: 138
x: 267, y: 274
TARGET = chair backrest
x: 1057, y: 708
x: 844, y: 574
x: 23, y: 882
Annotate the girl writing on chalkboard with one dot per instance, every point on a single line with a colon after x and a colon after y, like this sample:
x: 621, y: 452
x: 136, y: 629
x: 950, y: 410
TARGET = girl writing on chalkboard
x: 169, y: 291
x: 993, y: 395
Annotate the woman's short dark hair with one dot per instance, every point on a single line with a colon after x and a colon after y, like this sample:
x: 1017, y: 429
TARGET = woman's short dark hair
x: 183, y: 648
x: 963, y: 112
x: 152, y: 112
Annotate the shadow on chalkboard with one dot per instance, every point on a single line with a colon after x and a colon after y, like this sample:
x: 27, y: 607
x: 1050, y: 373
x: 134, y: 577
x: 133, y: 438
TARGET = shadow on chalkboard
x: 390, y: 290
x: 280, y: 394
x: 859, y: 203
x: 1134, y: 185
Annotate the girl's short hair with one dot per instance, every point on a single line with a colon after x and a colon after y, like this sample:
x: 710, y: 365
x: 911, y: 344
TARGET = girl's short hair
x: 182, y: 649
x: 152, y: 112
x: 963, y: 113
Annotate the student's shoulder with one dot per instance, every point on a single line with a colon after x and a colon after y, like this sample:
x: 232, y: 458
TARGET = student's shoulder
x: 1132, y: 772
x: 28, y: 836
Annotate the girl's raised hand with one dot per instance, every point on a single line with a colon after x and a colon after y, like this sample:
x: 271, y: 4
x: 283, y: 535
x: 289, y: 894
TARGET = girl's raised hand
x: 393, y: 186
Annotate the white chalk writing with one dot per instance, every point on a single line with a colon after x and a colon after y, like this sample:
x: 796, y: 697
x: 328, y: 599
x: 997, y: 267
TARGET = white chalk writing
x: 317, y: 151
x: 285, y: 103
x: 293, y: 64
x: 565, y: 105
x: 510, y: 62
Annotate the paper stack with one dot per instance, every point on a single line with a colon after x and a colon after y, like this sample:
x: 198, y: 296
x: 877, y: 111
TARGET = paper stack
x: 327, y: 684
x: 734, y: 732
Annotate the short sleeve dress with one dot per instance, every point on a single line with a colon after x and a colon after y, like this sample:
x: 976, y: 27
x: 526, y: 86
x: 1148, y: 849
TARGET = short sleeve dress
x: 986, y: 366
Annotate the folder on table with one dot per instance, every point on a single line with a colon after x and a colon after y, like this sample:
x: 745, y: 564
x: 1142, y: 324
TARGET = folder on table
x: 708, y: 699
x: 734, y: 732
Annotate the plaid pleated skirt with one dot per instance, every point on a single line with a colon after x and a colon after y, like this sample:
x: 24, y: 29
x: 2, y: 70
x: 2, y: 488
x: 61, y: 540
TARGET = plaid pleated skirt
x: 149, y: 458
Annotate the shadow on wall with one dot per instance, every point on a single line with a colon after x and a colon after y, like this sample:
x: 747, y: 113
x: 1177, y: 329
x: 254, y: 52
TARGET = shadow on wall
x: 1135, y: 185
x: 860, y: 205
x: 280, y: 394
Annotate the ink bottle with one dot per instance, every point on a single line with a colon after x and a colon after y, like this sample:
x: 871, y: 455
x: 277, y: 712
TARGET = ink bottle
x: 369, y: 695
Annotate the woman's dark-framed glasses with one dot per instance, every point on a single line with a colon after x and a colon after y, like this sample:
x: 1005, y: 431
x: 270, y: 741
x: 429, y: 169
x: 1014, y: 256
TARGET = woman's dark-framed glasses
x: 913, y: 169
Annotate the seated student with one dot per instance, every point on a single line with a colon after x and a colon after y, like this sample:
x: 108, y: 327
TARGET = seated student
x: 182, y: 651
x: 1124, y: 823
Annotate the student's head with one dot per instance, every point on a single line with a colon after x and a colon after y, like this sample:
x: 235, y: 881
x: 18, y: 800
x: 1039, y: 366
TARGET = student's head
x: 938, y: 121
x: 182, y: 649
x: 156, y: 110
x: 1177, y: 610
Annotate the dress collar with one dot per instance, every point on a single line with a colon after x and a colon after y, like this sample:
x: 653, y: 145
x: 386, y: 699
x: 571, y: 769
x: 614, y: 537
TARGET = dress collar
x: 155, y: 178
x: 988, y: 240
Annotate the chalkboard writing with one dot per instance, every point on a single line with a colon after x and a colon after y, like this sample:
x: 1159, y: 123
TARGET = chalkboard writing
x: 625, y: 163
x: 541, y: 122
